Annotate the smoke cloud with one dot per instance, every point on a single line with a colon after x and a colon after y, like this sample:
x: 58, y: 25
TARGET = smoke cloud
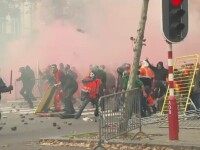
x: 94, y: 32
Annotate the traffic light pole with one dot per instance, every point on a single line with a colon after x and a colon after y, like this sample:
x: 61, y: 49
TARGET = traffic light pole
x: 173, y: 110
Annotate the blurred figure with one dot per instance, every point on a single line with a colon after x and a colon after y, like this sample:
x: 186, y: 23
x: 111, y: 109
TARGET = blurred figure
x: 119, y: 87
x: 140, y: 94
x: 67, y: 68
x: 25, y: 90
x: 71, y: 71
x: 69, y: 87
x: 195, y: 93
x: 101, y: 74
x: 89, y: 93
x: 30, y: 81
x: 126, y: 67
x: 44, y: 79
x: 4, y: 89
x: 110, y: 83
x: 146, y: 76
x: 55, y: 80
x: 160, y: 81
x: 61, y: 67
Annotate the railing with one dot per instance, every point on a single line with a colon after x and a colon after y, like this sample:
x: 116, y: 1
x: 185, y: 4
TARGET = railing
x: 119, y: 114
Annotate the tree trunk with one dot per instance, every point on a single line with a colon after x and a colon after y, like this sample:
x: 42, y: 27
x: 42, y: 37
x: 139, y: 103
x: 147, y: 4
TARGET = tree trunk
x: 137, y: 53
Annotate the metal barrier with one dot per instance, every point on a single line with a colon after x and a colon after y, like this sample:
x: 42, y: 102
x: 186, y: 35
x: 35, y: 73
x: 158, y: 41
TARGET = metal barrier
x: 184, y: 72
x: 187, y: 120
x: 119, y: 114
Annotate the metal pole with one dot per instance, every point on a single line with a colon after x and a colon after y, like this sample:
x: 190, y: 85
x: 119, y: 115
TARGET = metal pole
x: 173, y: 110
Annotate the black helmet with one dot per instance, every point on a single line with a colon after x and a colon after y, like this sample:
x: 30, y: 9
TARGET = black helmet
x: 126, y: 66
x: 120, y: 70
x: 125, y: 74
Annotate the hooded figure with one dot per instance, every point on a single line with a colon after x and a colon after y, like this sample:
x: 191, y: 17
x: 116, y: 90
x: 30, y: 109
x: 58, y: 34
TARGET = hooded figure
x: 160, y: 73
x: 160, y: 65
x: 159, y: 83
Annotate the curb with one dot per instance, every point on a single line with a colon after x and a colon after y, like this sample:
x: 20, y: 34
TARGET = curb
x: 151, y: 143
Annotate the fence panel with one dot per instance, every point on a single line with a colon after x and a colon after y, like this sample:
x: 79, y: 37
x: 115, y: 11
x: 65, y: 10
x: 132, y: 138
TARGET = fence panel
x: 119, y: 114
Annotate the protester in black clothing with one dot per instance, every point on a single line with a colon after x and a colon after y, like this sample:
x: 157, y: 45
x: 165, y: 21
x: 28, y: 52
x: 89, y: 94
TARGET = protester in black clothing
x: 110, y: 83
x: 119, y: 87
x: 195, y: 92
x: 145, y: 110
x: 25, y: 90
x: 67, y: 68
x: 101, y: 74
x: 4, y: 89
x: 159, y: 83
x: 30, y: 75
x: 119, y: 83
x: 69, y: 71
x: 69, y: 86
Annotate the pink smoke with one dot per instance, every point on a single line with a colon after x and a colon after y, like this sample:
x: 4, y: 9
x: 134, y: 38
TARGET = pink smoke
x: 108, y: 26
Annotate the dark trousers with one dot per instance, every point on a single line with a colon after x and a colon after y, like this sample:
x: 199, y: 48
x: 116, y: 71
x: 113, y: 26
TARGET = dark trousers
x: 195, y: 96
x: 134, y: 106
x: 144, y: 107
x: 84, y: 104
x: 67, y: 100
x: 26, y: 93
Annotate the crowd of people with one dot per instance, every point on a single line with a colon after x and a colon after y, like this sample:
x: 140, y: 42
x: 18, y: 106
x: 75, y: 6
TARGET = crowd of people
x: 150, y: 80
x: 99, y: 82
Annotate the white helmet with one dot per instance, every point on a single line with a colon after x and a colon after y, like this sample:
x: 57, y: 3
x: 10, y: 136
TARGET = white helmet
x: 92, y: 75
x: 145, y: 63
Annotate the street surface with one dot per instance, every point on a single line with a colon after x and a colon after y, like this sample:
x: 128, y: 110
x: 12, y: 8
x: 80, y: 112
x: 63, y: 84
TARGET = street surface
x: 31, y: 128
x: 21, y: 129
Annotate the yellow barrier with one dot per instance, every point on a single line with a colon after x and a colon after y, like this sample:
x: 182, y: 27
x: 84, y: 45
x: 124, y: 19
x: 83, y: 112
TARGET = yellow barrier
x: 47, y: 100
x: 185, y: 68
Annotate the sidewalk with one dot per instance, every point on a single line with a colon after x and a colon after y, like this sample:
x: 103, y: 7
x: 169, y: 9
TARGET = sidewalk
x: 189, y: 139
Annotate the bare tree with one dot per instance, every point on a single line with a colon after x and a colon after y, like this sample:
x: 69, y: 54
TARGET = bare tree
x: 139, y: 42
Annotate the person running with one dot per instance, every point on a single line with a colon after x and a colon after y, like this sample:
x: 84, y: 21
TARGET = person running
x: 89, y: 93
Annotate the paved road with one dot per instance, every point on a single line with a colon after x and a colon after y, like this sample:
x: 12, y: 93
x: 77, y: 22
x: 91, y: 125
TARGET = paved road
x: 30, y: 128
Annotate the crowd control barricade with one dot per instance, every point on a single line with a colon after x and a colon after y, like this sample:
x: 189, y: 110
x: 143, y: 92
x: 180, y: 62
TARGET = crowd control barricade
x: 119, y: 113
x: 185, y: 68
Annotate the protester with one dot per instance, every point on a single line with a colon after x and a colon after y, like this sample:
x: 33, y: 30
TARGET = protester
x: 30, y: 81
x: 160, y: 81
x: 26, y: 87
x: 55, y: 80
x: 69, y: 87
x: 89, y: 93
x: 4, y: 89
x: 140, y: 95
x: 146, y: 76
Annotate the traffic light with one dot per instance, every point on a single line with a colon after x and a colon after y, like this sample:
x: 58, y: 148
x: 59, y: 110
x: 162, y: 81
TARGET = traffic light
x: 175, y: 19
